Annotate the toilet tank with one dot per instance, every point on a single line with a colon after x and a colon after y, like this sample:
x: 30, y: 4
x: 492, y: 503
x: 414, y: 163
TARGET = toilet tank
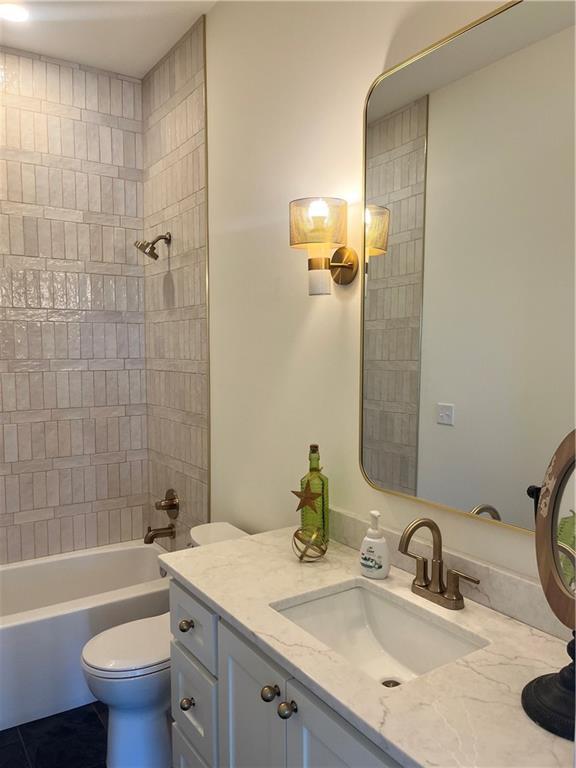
x: 211, y: 533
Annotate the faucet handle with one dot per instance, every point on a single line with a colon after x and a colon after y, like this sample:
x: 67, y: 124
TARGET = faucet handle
x: 170, y: 504
x: 453, y: 583
x: 421, y: 578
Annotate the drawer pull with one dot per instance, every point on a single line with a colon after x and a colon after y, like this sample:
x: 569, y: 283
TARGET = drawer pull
x: 186, y: 703
x: 269, y: 693
x: 186, y: 625
x: 286, y: 709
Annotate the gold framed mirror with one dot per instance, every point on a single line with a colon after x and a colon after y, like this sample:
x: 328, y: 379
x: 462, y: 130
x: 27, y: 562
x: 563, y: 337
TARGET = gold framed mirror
x: 468, y: 265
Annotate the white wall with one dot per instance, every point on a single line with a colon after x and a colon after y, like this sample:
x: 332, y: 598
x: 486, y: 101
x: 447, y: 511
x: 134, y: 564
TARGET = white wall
x: 498, y: 330
x: 286, y: 87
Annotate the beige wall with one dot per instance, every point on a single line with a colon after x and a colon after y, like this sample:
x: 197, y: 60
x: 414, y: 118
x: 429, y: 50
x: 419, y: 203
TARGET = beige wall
x: 498, y: 337
x: 72, y: 415
x: 175, y: 284
x: 286, y: 88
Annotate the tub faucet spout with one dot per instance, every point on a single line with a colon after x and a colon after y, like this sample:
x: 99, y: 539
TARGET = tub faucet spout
x: 160, y: 533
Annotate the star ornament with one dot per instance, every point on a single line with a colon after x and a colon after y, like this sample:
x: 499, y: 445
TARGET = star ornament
x: 307, y: 497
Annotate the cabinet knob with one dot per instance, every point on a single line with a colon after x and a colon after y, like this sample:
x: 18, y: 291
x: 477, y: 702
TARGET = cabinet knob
x: 286, y: 709
x: 186, y: 625
x: 186, y: 703
x: 269, y: 692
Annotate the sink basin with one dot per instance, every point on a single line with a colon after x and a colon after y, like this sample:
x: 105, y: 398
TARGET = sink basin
x: 388, y: 638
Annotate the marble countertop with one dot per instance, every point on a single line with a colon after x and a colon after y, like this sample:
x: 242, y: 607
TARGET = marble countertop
x: 466, y: 713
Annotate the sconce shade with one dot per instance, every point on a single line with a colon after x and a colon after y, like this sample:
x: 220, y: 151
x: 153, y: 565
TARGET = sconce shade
x: 318, y: 221
x: 377, y: 223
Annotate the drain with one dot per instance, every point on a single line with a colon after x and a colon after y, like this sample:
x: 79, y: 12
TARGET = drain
x: 390, y: 683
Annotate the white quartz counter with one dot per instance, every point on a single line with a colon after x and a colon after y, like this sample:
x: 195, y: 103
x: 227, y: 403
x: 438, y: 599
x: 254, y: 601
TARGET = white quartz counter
x: 466, y: 713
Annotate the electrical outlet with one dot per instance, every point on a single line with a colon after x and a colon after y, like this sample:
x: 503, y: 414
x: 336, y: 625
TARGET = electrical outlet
x: 445, y: 414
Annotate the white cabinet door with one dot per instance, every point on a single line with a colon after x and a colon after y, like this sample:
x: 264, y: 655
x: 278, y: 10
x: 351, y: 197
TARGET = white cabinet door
x: 251, y: 733
x: 319, y: 738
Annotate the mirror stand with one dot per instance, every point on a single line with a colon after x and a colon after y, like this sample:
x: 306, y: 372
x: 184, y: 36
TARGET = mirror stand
x: 549, y: 699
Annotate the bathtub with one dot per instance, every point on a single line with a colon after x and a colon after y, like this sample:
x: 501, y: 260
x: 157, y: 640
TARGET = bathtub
x: 50, y: 607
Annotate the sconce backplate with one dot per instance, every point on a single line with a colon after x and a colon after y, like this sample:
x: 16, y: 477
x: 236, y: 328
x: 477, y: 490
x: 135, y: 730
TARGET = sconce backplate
x: 344, y: 265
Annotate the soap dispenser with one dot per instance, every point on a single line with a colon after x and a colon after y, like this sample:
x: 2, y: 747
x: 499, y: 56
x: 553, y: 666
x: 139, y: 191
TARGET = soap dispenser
x: 374, y: 555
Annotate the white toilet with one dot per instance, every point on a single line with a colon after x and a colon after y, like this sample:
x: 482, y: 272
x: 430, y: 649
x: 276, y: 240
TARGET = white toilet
x: 128, y: 668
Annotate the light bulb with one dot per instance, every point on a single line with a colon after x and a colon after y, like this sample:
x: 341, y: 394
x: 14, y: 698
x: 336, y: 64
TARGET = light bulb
x: 13, y: 12
x: 318, y: 209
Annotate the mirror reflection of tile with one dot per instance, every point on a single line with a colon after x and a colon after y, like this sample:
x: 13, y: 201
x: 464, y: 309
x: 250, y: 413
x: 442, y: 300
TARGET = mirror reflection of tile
x: 395, y: 177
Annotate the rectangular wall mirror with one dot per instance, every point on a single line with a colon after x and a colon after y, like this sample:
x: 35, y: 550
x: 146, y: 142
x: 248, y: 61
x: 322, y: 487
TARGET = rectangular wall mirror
x: 468, y: 295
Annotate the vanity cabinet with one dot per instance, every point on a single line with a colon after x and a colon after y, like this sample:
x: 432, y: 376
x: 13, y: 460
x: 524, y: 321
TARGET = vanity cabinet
x: 234, y: 708
x: 254, y: 735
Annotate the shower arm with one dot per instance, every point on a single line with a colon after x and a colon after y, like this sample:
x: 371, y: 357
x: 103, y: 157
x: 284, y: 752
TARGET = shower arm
x: 167, y: 239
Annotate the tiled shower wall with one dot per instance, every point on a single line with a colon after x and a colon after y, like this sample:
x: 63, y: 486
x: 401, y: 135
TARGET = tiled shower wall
x: 395, y: 178
x: 74, y: 409
x: 72, y: 381
x: 176, y: 307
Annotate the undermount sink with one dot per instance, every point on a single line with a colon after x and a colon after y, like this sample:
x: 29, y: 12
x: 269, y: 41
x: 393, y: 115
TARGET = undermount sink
x: 388, y: 638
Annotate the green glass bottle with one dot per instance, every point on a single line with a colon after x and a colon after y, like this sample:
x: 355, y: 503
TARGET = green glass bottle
x: 317, y: 512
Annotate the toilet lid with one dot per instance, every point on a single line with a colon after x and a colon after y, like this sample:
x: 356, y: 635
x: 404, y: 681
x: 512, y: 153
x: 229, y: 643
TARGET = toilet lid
x: 137, y: 648
x: 213, y: 533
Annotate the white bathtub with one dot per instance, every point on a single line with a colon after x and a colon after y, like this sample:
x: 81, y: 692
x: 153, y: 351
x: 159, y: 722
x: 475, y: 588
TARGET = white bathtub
x: 50, y: 607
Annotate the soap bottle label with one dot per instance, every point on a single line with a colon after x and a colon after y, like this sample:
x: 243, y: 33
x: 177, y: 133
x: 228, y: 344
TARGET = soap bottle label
x: 369, y: 559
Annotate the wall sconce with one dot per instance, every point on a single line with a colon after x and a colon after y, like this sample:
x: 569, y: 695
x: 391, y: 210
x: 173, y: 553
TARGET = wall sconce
x: 376, y: 226
x: 319, y: 225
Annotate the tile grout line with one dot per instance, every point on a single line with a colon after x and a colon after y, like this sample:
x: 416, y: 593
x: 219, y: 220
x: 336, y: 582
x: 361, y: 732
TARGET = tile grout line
x: 23, y: 743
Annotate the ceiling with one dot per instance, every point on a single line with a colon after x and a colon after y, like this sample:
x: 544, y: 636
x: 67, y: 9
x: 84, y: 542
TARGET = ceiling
x: 123, y: 37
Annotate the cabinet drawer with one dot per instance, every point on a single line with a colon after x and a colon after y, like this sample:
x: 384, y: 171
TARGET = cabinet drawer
x: 183, y: 753
x: 195, y: 626
x: 194, y: 704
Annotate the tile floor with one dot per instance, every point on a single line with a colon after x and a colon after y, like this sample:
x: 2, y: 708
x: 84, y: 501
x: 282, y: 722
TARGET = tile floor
x: 73, y: 739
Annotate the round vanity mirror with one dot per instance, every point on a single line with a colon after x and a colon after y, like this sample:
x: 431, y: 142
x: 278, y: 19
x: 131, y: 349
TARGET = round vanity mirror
x: 549, y: 699
x: 555, y: 532
x: 564, y: 531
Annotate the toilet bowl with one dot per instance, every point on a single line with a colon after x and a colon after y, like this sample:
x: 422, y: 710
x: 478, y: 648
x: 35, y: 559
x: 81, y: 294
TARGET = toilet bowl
x: 128, y: 668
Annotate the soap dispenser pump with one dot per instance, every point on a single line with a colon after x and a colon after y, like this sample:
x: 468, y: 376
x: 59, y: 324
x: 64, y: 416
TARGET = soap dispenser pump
x: 374, y: 554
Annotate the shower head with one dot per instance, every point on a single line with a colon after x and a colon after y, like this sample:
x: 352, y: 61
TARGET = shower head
x: 148, y: 247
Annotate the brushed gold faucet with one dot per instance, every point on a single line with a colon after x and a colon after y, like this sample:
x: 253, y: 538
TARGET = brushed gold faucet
x: 486, y: 509
x: 433, y: 588
x: 160, y: 533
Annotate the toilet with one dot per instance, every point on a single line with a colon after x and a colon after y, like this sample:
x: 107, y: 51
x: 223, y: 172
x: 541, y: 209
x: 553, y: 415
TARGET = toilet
x: 127, y: 667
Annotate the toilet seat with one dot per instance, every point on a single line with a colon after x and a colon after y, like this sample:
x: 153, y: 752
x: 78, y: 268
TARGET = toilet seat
x: 129, y: 650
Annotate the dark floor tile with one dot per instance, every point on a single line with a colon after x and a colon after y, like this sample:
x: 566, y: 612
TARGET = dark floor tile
x: 13, y: 756
x: 81, y: 721
x: 9, y: 736
x: 73, y: 752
